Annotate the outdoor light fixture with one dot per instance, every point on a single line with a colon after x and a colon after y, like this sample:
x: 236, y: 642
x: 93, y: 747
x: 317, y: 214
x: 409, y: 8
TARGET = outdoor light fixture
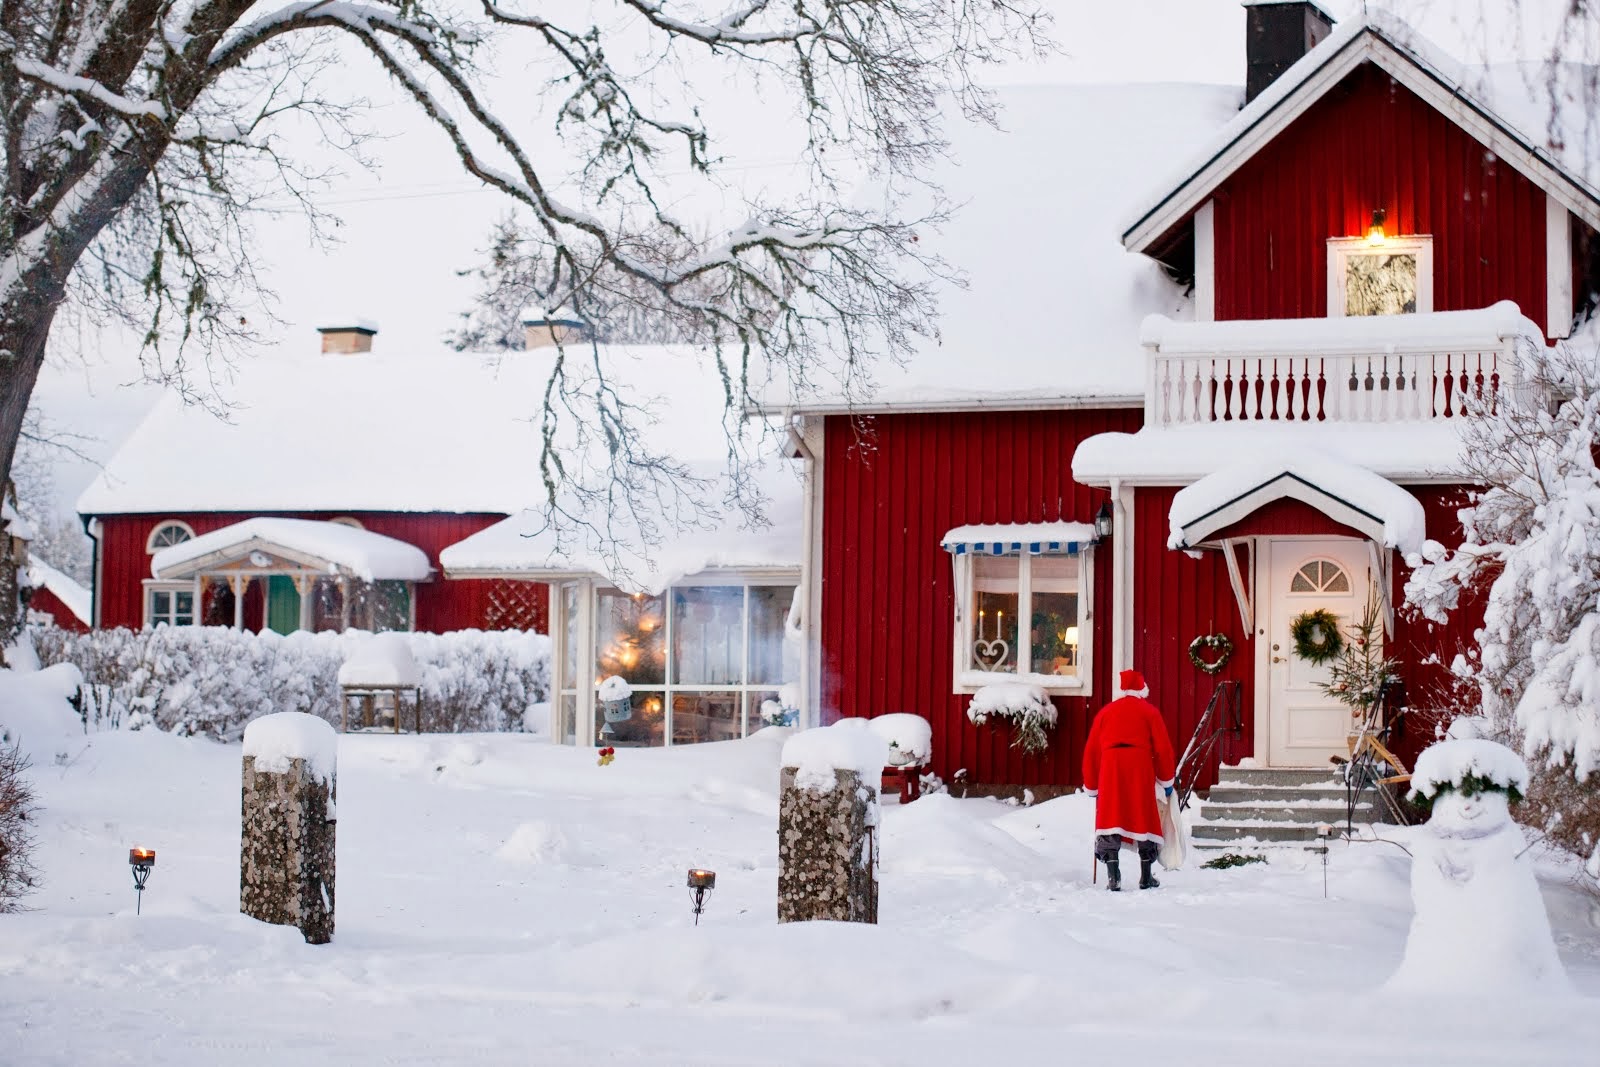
x: 141, y: 860
x: 700, y: 883
x: 1324, y: 831
x: 1102, y: 521
x: 1375, y: 234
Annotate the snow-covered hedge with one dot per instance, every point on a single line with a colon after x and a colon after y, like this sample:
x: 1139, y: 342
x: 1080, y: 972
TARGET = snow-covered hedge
x: 214, y: 680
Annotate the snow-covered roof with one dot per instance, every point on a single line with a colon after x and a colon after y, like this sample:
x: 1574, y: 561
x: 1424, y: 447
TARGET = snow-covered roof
x: 1051, y: 312
x: 63, y: 587
x: 338, y: 548
x: 1538, y: 118
x: 376, y: 431
x: 1411, y: 452
x: 382, y: 431
x: 1354, y: 495
x: 525, y: 545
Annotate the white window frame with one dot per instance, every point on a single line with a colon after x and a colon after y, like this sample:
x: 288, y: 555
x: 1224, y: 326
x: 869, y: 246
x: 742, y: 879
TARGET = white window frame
x: 965, y: 678
x: 150, y: 545
x: 1342, y: 249
x: 152, y: 586
x: 587, y: 622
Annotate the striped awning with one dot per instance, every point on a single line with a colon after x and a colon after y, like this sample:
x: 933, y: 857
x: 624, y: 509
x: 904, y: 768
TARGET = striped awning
x: 1033, y: 539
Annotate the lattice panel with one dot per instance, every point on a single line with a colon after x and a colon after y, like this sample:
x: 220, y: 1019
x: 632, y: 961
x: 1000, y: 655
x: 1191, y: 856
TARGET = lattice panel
x: 510, y: 605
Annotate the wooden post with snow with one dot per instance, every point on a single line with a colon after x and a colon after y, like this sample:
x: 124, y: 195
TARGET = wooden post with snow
x: 286, y: 847
x: 828, y: 824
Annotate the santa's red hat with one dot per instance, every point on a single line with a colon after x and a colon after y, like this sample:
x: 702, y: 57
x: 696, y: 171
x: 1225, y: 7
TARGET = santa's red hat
x: 1132, y: 684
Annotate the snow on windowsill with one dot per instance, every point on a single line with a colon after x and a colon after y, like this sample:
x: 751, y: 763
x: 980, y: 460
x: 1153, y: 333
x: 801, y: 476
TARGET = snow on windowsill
x: 971, y: 681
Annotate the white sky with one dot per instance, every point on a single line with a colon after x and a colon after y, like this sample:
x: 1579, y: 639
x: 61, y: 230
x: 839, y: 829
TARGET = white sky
x: 408, y: 227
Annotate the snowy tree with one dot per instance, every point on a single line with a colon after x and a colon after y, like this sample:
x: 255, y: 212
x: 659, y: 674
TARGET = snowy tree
x: 1532, y: 537
x: 139, y: 137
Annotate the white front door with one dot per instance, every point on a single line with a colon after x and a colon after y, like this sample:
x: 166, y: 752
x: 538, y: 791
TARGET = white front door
x: 1304, y: 726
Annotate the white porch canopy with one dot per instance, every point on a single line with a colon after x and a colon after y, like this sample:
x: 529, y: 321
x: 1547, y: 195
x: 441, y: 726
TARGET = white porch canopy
x: 273, y: 545
x: 1034, y: 539
x: 1354, y: 496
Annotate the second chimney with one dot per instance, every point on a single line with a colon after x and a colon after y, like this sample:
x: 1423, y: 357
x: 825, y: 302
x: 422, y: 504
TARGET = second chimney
x: 1276, y: 35
x: 347, y: 340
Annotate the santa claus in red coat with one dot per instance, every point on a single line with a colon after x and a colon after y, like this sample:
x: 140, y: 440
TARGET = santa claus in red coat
x: 1127, y: 760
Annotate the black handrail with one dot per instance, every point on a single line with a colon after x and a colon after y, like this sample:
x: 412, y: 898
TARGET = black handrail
x: 1224, y: 716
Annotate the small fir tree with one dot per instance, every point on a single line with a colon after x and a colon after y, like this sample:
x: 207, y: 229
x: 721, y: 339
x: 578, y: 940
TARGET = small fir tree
x: 1357, y: 675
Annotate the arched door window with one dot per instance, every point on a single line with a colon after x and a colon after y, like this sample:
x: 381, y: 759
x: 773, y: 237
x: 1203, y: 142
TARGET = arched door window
x: 1320, y: 576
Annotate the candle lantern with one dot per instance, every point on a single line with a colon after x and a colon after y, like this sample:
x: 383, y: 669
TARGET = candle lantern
x: 701, y: 882
x: 140, y: 860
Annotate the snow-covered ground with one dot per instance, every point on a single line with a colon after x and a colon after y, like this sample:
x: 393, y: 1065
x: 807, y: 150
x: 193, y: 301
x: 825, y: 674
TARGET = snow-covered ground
x: 502, y: 900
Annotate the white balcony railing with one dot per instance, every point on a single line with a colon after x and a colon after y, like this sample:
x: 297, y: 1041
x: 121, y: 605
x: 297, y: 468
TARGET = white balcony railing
x: 1330, y: 370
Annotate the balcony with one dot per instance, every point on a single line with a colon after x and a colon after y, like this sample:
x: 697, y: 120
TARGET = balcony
x: 1425, y: 368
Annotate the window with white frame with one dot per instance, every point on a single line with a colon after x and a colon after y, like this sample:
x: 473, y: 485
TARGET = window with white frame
x: 1369, y: 276
x: 166, y: 534
x: 702, y: 662
x: 1023, y: 616
x: 172, y: 603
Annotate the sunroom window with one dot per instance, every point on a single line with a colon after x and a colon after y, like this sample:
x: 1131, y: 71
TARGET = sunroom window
x: 699, y: 661
x: 1023, y: 596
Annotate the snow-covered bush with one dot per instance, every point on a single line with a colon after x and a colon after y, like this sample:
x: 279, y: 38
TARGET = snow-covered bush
x: 17, y: 873
x: 214, y: 680
x: 910, y: 737
x: 1030, y: 711
x: 1533, y: 539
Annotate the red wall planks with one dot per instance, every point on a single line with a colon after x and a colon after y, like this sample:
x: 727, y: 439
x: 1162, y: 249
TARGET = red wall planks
x: 887, y: 596
x: 43, y: 600
x: 1177, y: 598
x: 441, y: 605
x: 1371, y: 143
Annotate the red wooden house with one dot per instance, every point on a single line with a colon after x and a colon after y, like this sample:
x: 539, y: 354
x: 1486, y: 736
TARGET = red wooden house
x: 1376, y: 231
x: 385, y: 460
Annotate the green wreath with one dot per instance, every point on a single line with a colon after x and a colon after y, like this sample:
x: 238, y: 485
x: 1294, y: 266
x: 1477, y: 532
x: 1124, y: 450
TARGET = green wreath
x: 1316, y: 636
x: 1218, y: 644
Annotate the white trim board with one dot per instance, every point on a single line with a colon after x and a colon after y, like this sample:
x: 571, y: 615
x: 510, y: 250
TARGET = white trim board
x: 1370, y: 45
x: 1283, y: 486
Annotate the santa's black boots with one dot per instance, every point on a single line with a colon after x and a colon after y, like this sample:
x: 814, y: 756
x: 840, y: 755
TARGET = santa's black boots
x: 1113, y: 876
x: 1147, y: 880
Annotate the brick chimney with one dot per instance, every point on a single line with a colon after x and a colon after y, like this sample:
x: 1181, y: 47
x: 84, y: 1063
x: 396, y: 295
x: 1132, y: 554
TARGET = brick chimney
x: 347, y: 340
x: 541, y: 329
x: 1276, y: 35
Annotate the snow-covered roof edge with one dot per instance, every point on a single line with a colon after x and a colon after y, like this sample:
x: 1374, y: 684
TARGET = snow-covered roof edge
x: 1434, y: 331
x: 1349, y: 493
x: 1376, y: 36
x: 367, y: 555
x: 63, y: 587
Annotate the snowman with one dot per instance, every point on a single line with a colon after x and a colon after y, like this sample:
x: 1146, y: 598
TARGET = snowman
x: 1479, y: 923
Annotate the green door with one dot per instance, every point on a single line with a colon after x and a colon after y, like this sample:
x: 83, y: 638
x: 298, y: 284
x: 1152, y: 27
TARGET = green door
x: 283, y: 604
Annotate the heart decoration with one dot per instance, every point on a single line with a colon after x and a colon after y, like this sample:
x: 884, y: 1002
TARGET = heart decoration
x: 1210, y: 652
x: 990, y: 654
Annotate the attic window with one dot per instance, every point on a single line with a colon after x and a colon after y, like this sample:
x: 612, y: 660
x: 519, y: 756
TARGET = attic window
x: 167, y: 534
x: 1394, y: 277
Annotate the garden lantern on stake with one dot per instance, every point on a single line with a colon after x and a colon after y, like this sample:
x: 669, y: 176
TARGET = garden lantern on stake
x: 701, y: 882
x: 141, y: 860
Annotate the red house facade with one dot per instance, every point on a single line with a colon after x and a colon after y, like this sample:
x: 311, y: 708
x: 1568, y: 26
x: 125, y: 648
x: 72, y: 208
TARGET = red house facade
x: 1363, y: 246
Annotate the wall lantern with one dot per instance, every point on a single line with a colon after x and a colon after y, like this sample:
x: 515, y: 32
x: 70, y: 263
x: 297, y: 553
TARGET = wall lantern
x: 701, y: 882
x: 1102, y: 521
x: 1375, y: 235
x: 141, y: 860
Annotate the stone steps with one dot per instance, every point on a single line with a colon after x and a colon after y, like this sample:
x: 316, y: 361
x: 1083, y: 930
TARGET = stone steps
x: 1253, y: 807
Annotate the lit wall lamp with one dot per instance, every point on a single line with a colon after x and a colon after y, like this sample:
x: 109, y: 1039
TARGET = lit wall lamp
x: 1102, y: 521
x: 1375, y: 235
